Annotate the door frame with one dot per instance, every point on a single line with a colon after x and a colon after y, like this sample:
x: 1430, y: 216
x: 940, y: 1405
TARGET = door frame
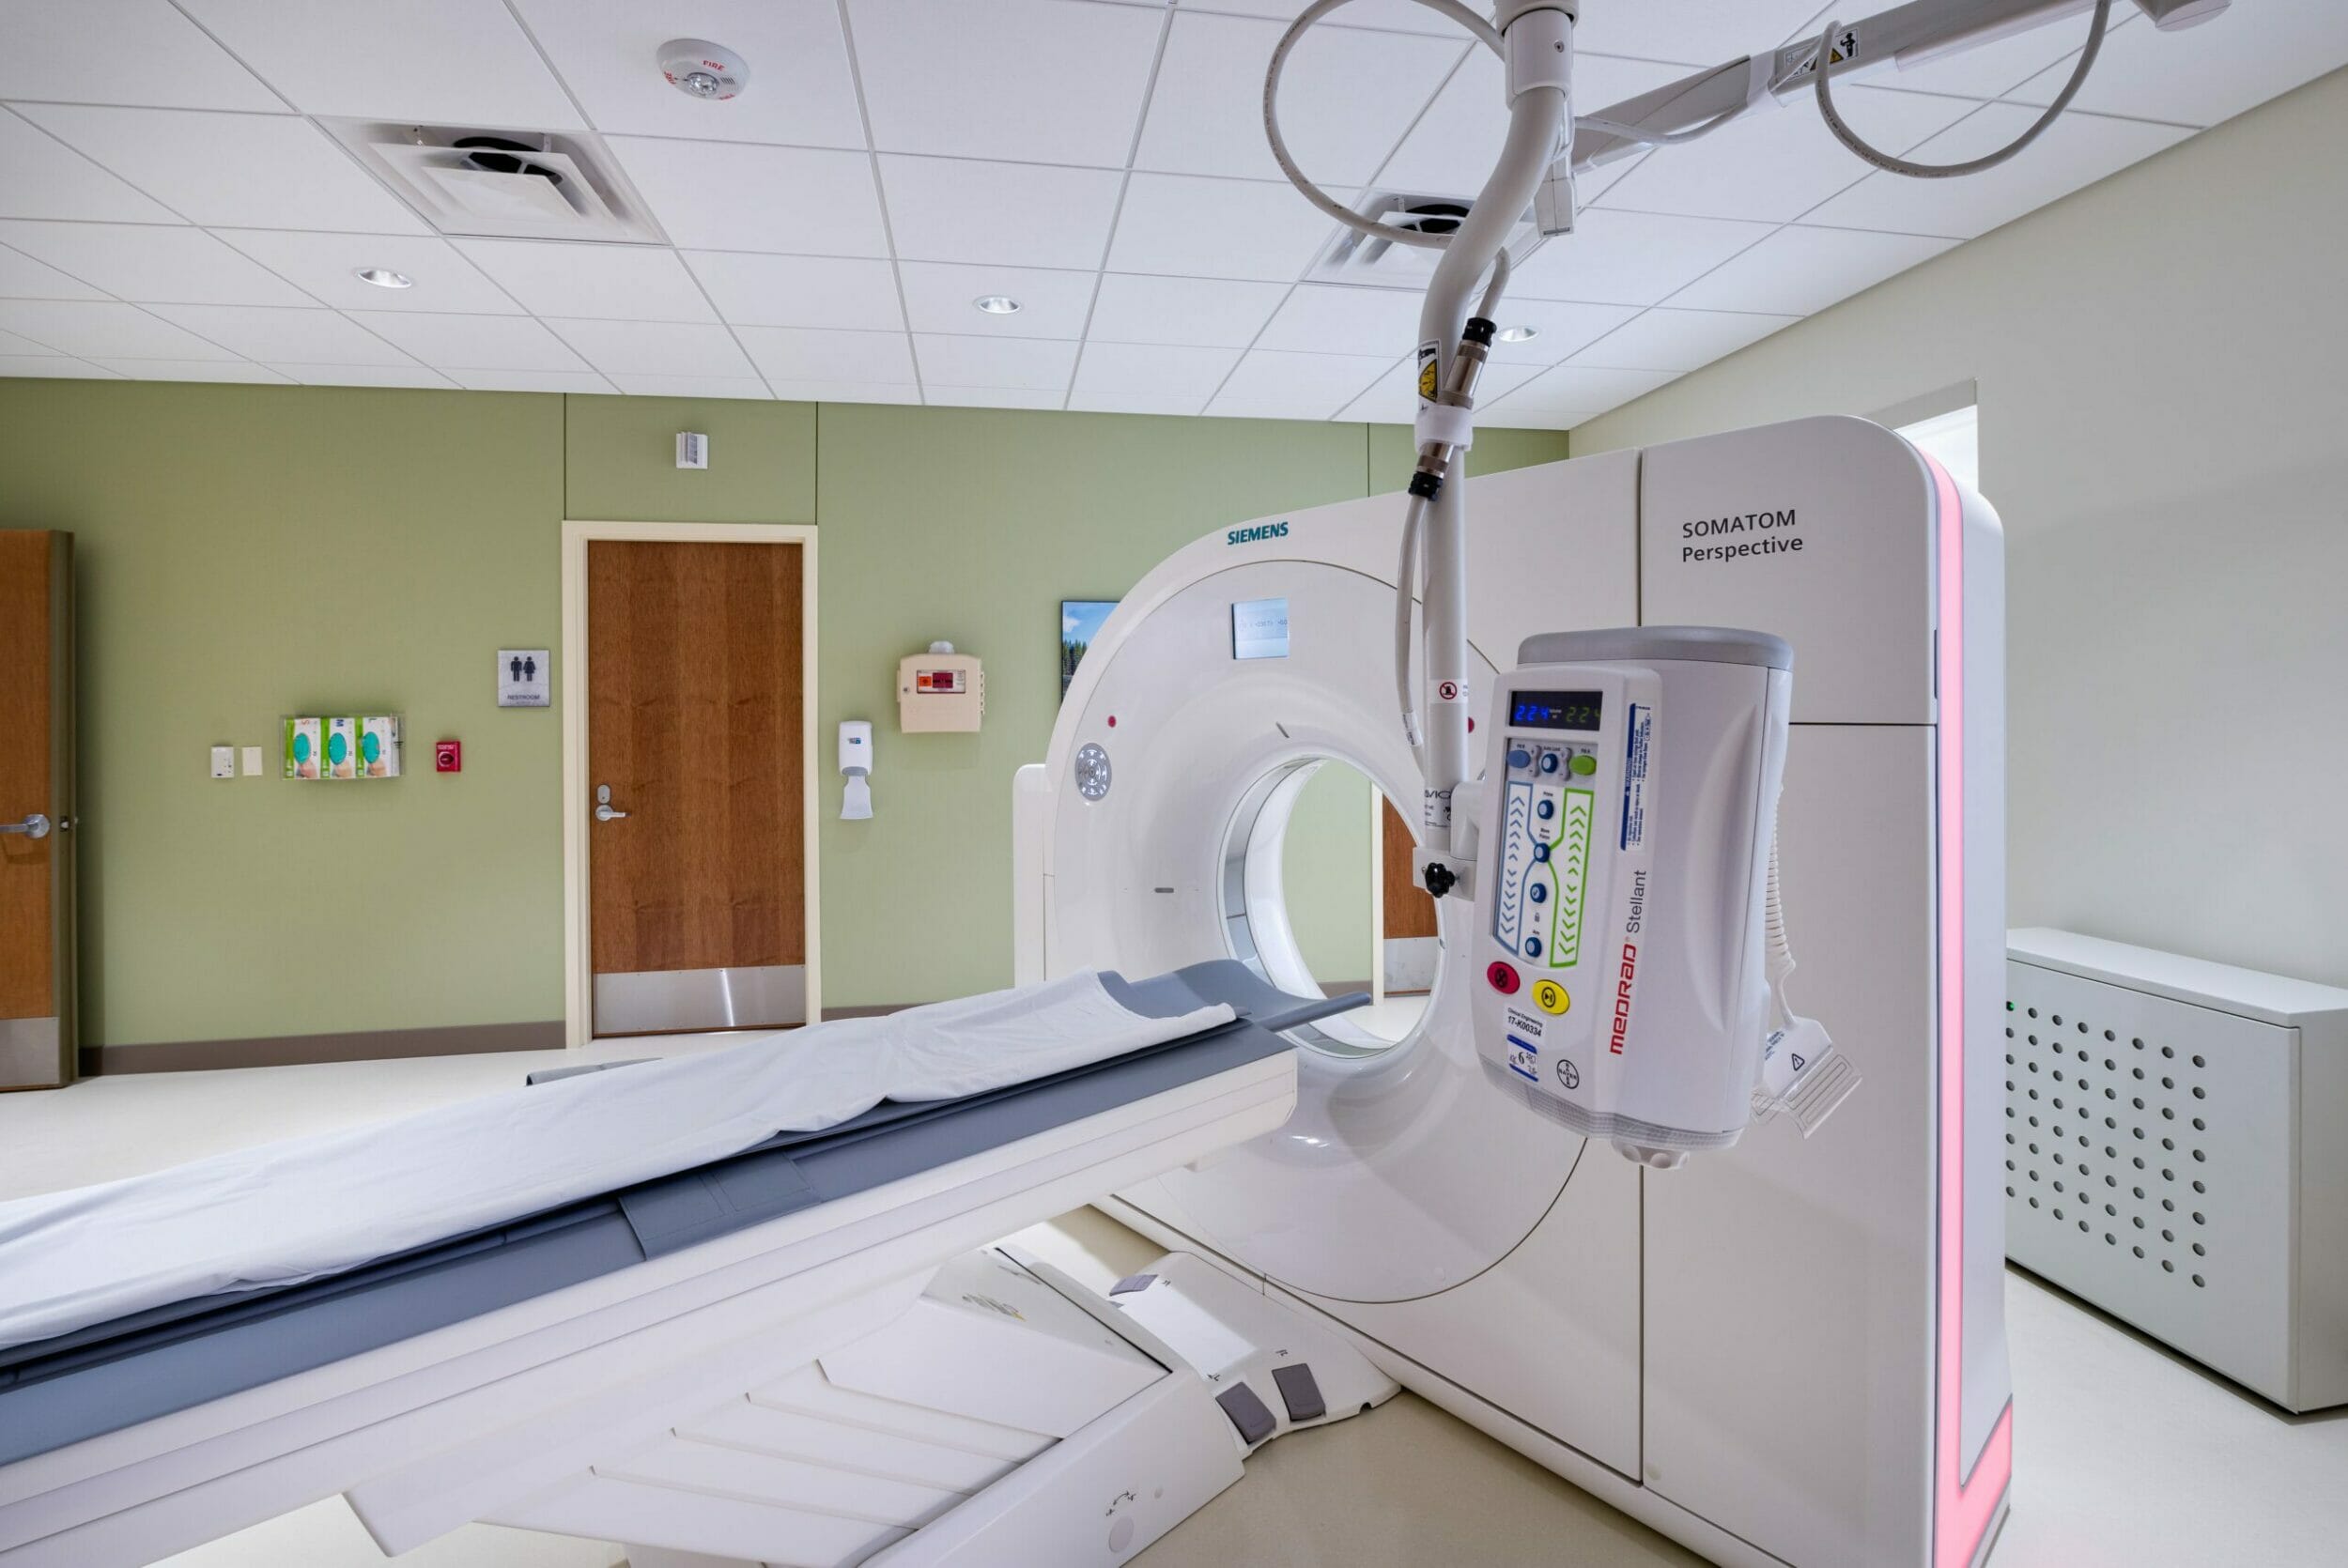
x: 579, y: 970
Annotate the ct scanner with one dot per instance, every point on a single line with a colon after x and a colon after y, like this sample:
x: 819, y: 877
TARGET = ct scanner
x: 1791, y: 1351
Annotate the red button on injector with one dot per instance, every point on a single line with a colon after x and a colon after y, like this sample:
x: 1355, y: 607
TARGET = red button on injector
x: 1503, y: 978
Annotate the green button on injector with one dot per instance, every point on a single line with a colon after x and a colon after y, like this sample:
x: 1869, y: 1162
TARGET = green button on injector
x: 1585, y: 764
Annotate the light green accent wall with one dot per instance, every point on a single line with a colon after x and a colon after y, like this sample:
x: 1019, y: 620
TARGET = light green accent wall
x: 247, y: 552
x: 1324, y: 869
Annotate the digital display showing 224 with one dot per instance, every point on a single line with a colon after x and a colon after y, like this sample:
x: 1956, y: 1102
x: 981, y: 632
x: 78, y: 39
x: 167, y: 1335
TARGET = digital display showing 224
x: 1555, y: 710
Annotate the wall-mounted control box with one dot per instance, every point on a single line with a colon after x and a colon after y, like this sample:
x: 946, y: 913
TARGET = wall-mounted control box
x: 940, y: 690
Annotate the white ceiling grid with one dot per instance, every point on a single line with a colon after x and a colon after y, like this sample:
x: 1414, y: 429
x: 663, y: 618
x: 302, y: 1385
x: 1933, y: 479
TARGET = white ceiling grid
x: 180, y: 214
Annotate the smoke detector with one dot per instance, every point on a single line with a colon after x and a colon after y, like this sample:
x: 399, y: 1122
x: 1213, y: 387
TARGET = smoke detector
x: 700, y: 69
x: 503, y: 183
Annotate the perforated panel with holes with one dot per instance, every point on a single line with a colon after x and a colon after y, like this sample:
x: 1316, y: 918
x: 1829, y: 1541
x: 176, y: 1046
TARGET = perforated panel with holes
x: 2148, y: 1164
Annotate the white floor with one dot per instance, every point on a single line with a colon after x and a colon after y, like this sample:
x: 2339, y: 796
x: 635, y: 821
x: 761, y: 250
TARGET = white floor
x: 2125, y: 1457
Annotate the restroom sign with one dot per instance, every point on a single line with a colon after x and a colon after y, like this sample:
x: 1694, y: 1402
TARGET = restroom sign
x: 525, y: 678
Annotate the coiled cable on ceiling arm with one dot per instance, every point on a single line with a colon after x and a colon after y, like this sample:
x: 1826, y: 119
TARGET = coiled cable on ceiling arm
x: 1485, y: 34
x: 1890, y: 164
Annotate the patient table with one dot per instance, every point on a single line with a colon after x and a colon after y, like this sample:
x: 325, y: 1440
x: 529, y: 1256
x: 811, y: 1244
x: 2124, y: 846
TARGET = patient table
x: 788, y: 1355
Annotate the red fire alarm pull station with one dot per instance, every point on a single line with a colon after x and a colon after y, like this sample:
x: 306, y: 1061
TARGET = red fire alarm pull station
x: 448, y: 757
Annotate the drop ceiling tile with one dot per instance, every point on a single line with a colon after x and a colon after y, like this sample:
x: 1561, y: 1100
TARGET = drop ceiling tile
x: 530, y: 380
x: 1393, y: 398
x: 1081, y: 401
x: 17, y: 347
x: 1991, y: 70
x: 1695, y: 32
x: 1296, y: 409
x: 1679, y: 340
x: 998, y: 214
x: 611, y: 282
x: 1045, y: 81
x: 144, y: 262
x: 210, y: 168
x: 52, y: 366
x: 1778, y: 163
x: 104, y: 331
x: 306, y: 337
x: 820, y: 354
x: 1802, y: 270
x: 1326, y: 382
x: 153, y: 55
x: 2201, y: 75
x: 799, y: 91
x: 1559, y: 328
x: 1505, y: 418
x: 42, y: 177
x: 1052, y: 304
x: 728, y: 196
x: 1630, y: 258
x: 366, y: 376
x: 975, y: 362
x: 22, y: 278
x: 847, y: 392
x: 1189, y: 226
x: 196, y: 370
x: 853, y: 292
x: 691, y: 386
x: 938, y: 396
x: 428, y: 60
x: 1332, y: 319
x: 1158, y: 371
x: 326, y: 266
x: 471, y: 342
x: 1346, y: 99
x: 1206, y: 312
x: 1393, y: 16
x: 2076, y: 151
x: 640, y: 349
x: 1455, y: 144
x: 1579, y: 388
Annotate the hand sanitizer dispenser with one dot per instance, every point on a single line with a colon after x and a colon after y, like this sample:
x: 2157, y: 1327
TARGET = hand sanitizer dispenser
x: 856, y: 761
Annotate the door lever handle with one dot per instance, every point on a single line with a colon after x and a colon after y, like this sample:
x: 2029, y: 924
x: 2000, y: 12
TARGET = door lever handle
x: 605, y: 811
x: 35, y: 825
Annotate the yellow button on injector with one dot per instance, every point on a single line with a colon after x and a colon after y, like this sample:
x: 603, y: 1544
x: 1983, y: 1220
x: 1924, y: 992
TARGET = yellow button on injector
x: 1550, y: 997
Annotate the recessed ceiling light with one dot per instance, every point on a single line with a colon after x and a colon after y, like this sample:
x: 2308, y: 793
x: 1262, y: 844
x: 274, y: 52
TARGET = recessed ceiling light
x: 383, y: 277
x: 997, y: 304
x: 1519, y: 334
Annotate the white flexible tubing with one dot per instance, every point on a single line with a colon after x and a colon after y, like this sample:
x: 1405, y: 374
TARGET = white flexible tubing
x: 1890, y: 164
x: 1485, y: 34
x: 1405, y: 595
x: 1781, y: 950
x: 1536, y: 120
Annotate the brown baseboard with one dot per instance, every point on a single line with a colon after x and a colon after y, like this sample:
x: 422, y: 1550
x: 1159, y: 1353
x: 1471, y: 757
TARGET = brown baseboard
x: 878, y: 1009
x: 293, y: 1050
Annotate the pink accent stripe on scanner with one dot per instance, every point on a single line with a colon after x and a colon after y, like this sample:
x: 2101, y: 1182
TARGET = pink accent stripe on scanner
x: 1962, y: 1504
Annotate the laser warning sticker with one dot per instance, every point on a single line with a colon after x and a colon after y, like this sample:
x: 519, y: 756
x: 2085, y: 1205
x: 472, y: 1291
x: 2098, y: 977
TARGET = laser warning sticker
x: 1430, y: 368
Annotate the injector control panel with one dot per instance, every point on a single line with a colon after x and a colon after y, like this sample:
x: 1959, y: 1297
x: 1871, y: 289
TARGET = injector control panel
x: 1622, y: 863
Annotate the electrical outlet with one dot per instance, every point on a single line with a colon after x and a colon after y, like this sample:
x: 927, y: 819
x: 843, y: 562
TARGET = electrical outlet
x: 224, y: 761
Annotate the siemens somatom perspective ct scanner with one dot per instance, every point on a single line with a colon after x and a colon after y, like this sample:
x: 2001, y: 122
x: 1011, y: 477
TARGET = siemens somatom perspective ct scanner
x: 1791, y: 1351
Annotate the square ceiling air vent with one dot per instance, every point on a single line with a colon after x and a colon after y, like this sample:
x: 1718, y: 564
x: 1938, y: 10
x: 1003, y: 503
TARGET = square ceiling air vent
x: 1353, y: 257
x: 503, y: 183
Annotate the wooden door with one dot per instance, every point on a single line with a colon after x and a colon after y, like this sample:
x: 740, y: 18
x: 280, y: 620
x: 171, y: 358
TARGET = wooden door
x: 697, y: 853
x: 37, y: 1046
x: 1407, y: 947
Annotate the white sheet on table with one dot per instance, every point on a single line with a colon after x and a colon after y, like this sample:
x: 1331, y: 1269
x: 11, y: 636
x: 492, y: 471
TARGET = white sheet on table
x: 280, y: 1213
